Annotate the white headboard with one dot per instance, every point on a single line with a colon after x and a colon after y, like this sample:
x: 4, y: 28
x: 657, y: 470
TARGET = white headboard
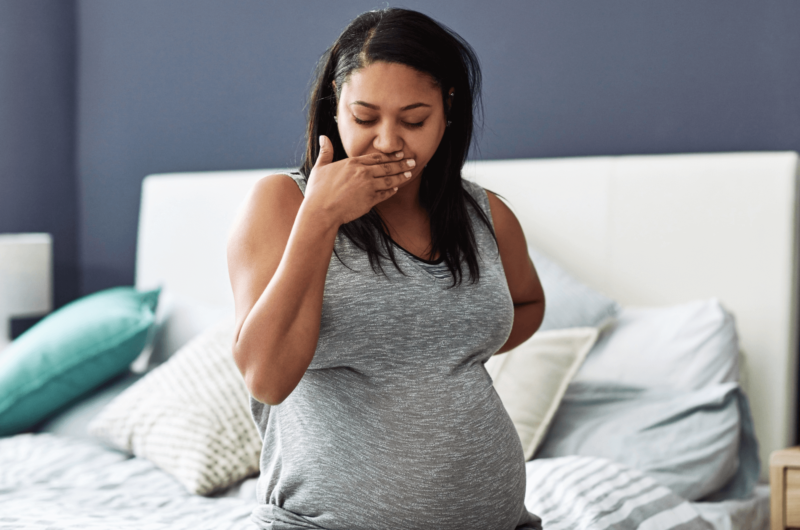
x: 646, y: 230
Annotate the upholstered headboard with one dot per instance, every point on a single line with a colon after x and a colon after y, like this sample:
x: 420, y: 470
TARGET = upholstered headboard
x: 646, y: 230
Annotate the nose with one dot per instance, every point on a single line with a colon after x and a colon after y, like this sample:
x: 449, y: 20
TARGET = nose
x: 388, y: 138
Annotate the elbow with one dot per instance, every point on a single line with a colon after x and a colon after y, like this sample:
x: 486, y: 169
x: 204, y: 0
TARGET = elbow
x: 265, y: 394
x: 257, y: 379
x: 267, y: 398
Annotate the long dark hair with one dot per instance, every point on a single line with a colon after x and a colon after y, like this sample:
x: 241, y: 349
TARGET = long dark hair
x: 410, y: 38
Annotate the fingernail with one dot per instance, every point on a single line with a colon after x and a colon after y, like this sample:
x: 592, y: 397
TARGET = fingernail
x: 407, y: 174
x: 398, y: 154
x: 322, y: 141
x: 411, y: 163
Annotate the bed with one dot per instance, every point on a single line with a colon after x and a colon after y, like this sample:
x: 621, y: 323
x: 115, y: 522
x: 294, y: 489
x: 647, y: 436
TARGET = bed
x: 701, y: 235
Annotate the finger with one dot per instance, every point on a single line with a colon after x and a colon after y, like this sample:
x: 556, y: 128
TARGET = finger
x: 379, y: 158
x: 393, y: 168
x: 325, y: 152
x: 382, y: 195
x: 386, y: 183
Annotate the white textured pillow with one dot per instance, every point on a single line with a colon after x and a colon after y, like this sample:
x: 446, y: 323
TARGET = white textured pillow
x: 687, y: 347
x: 190, y: 416
x: 531, y: 379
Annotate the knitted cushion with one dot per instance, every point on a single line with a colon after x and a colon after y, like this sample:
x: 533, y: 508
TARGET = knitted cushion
x: 190, y: 416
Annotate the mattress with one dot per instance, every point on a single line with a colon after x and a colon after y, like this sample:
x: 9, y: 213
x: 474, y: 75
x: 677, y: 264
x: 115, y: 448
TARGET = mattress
x: 57, y: 482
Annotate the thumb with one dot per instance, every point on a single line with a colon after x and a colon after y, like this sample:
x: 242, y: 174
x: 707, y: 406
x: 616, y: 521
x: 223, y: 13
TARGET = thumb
x: 325, y: 151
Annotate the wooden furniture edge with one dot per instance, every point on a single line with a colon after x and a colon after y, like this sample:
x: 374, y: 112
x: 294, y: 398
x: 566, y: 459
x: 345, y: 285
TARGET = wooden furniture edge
x: 779, y: 462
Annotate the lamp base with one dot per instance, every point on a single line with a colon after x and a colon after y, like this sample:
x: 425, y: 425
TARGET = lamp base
x: 18, y: 326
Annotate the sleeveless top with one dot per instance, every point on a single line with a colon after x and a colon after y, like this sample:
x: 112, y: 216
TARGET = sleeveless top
x: 437, y: 267
x: 396, y: 424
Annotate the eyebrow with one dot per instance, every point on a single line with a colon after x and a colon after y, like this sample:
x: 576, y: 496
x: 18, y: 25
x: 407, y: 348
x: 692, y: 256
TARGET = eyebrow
x: 375, y: 107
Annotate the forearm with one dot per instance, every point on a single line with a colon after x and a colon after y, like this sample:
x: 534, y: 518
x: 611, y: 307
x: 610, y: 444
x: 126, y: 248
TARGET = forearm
x: 277, y: 339
x: 527, y: 319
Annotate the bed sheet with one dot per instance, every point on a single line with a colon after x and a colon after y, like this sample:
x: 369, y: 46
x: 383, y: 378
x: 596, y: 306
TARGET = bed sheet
x: 746, y: 514
x: 53, y: 482
x: 56, y: 482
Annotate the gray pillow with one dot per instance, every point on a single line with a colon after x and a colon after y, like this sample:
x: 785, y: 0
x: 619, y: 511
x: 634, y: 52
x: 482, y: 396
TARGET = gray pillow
x: 568, y: 302
x: 699, y: 443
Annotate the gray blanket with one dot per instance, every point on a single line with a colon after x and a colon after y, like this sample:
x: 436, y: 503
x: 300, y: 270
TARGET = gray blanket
x: 51, y: 482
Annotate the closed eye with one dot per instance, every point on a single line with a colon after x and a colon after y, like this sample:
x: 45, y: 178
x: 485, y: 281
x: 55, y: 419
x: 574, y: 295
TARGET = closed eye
x: 370, y: 122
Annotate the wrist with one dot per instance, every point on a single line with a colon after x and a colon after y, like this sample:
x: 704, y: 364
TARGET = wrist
x: 318, y: 220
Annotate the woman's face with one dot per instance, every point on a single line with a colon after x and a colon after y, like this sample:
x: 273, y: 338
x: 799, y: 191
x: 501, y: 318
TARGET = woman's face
x: 388, y: 107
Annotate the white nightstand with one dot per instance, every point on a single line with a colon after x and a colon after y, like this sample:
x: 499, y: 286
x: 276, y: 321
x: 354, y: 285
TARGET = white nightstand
x: 26, y: 278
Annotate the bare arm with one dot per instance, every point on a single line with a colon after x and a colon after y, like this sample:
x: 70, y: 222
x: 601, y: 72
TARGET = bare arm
x: 523, y: 282
x: 278, y: 256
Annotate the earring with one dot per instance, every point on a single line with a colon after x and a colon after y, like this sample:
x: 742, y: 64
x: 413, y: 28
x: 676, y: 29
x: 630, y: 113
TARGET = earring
x: 452, y: 94
x: 448, y: 123
x: 336, y: 119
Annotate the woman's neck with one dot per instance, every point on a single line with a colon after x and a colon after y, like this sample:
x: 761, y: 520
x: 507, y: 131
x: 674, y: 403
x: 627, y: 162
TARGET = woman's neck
x: 408, y: 223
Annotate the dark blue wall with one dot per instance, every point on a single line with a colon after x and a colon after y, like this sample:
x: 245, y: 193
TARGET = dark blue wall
x: 173, y: 85
x: 37, y: 129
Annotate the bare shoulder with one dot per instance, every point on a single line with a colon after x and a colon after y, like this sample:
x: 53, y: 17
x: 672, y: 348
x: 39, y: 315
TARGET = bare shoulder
x: 273, y: 198
x: 523, y: 282
x: 267, y: 215
x: 258, y: 238
x: 506, y: 224
x: 276, y: 188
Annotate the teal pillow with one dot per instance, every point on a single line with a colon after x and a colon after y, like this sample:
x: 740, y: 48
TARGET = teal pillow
x: 70, y: 352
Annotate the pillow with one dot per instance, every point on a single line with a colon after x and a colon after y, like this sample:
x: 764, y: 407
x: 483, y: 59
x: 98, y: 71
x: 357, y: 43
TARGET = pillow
x: 190, y: 416
x: 569, y: 303
x: 687, y: 346
x: 70, y: 352
x: 694, y: 442
x: 532, y: 378
x: 179, y: 319
x: 73, y: 420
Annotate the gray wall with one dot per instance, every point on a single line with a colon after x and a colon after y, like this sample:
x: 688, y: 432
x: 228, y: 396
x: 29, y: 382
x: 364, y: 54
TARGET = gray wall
x: 190, y: 85
x: 174, y: 85
x: 37, y: 128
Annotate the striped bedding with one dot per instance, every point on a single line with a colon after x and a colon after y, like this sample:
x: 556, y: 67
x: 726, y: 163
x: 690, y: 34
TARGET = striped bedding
x: 580, y: 492
x: 52, y: 482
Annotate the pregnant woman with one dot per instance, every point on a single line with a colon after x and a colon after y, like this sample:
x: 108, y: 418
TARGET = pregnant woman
x: 371, y: 287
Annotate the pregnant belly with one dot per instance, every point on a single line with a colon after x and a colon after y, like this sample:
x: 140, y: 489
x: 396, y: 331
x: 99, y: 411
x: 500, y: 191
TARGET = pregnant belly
x: 431, y: 456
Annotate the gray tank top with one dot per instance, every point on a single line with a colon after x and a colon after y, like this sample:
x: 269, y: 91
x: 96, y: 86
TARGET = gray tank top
x: 396, y: 424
